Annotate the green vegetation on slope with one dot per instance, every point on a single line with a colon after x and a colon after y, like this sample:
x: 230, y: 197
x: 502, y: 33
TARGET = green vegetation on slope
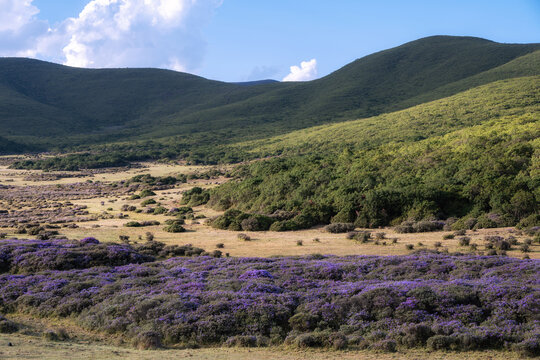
x: 149, y: 113
x: 474, y: 155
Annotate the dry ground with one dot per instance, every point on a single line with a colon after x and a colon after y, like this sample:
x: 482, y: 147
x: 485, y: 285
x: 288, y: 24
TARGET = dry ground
x: 30, y: 347
x: 313, y: 241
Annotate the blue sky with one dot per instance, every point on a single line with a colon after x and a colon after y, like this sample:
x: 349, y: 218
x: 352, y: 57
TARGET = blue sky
x: 238, y: 40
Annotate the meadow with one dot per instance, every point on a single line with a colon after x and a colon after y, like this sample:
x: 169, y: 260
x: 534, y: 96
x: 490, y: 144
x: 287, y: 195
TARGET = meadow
x: 388, y: 210
x: 108, y: 288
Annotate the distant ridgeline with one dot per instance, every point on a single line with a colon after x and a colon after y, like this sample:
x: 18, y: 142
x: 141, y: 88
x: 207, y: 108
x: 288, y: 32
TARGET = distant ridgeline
x: 436, y: 128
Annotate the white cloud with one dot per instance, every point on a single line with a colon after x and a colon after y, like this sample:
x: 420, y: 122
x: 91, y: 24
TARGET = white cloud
x: 306, y: 71
x: 116, y: 33
x: 16, y: 14
x: 19, y: 27
x: 175, y: 64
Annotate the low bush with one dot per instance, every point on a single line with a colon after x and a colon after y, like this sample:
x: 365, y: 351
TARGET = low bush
x: 148, y: 202
x: 146, y: 193
x: 336, y: 228
x: 141, y: 223
x: 419, y: 226
x: 7, y: 326
x: 244, y: 237
x: 175, y: 227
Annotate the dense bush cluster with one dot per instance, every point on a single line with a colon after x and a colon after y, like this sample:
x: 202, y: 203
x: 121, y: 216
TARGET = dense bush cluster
x: 386, y: 303
x: 195, y: 196
x: 237, y: 220
x: 174, y: 226
x: 141, y: 223
x: 337, y: 228
x: 75, y: 162
x: 29, y: 256
x: 152, y: 181
x: 483, y: 177
x: 419, y: 226
x: 26, y: 256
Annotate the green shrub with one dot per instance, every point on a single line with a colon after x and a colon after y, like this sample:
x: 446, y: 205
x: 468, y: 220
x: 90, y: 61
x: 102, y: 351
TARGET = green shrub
x: 256, y: 223
x: 195, y: 196
x: 336, y: 228
x: 529, y: 221
x: 175, y: 227
x: 146, y: 193
x: 148, y: 202
x: 160, y: 210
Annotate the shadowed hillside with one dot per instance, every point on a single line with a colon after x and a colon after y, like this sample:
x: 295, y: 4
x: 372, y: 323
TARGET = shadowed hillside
x: 55, y: 107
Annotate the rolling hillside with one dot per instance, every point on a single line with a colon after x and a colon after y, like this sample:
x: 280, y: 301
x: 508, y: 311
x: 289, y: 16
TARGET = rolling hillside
x: 56, y: 107
x: 473, y: 157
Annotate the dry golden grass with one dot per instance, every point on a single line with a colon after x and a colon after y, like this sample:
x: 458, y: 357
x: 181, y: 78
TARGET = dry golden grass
x: 31, y: 347
x: 264, y: 244
x: 17, y: 177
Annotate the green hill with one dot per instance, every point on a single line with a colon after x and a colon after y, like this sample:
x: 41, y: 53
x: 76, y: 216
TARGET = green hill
x: 472, y: 156
x: 158, y: 113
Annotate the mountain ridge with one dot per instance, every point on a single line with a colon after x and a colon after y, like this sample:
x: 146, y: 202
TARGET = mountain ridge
x: 54, y: 107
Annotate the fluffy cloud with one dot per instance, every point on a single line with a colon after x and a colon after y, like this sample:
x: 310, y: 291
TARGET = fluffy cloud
x: 19, y: 27
x: 306, y: 71
x: 16, y: 14
x: 118, y: 33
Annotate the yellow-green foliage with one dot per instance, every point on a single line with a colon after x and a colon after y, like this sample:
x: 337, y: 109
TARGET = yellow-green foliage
x: 503, y: 98
x: 479, y: 159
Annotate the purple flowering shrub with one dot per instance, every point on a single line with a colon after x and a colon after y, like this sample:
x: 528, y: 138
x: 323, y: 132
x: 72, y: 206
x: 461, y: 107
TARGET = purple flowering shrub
x: 442, y: 302
x: 30, y: 256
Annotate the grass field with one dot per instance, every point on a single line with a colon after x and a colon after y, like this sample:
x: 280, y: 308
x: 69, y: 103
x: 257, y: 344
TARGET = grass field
x: 27, y: 347
x: 263, y: 244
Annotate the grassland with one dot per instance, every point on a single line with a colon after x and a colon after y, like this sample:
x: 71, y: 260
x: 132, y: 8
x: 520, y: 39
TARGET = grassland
x: 27, y: 347
x: 263, y: 243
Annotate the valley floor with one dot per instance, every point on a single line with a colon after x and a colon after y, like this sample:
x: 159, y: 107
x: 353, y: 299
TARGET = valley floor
x: 93, y: 192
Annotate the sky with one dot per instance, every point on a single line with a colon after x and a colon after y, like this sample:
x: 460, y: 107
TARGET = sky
x: 244, y: 40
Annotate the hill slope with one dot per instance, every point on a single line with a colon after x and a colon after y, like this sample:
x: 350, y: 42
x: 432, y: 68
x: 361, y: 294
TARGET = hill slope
x: 54, y: 106
x: 473, y: 155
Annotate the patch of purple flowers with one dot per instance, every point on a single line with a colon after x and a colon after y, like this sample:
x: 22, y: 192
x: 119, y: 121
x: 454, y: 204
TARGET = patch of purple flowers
x: 423, y: 300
